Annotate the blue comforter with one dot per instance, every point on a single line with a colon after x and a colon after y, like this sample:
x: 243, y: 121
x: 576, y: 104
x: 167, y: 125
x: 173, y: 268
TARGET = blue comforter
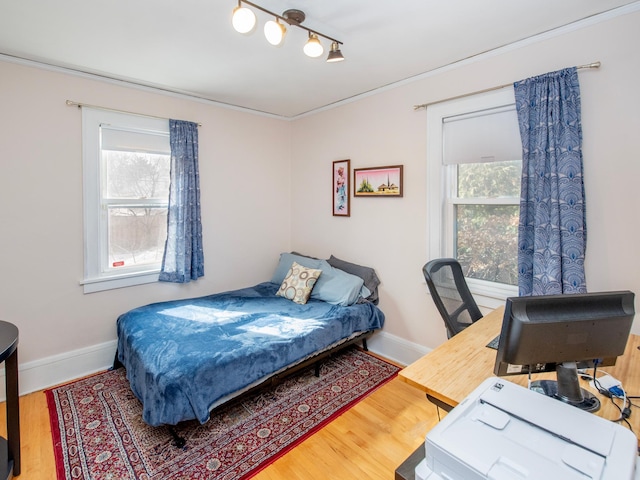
x: 184, y: 356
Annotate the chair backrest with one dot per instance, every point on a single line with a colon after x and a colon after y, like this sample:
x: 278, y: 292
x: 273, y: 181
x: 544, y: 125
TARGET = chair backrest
x: 451, y: 294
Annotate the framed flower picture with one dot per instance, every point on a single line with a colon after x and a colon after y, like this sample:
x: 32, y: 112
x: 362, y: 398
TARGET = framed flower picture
x: 341, y: 188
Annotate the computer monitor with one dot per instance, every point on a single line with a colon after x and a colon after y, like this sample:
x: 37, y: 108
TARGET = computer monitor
x: 563, y: 333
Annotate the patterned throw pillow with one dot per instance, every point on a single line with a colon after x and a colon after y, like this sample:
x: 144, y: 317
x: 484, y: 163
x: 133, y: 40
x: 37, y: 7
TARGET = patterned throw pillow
x: 298, y: 283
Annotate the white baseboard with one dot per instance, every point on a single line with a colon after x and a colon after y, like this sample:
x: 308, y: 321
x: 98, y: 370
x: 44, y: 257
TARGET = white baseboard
x: 395, y: 348
x: 62, y: 368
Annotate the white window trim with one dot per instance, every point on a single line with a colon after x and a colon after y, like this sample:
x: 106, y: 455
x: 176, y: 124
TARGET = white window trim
x: 95, y: 280
x: 92, y: 285
x: 487, y: 294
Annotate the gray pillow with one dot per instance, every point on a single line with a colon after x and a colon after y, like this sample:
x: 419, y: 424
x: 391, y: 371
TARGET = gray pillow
x: 368, y: 274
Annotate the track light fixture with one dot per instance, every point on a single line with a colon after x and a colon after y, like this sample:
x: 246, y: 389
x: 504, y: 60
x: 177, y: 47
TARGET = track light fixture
x: 244, y: 21
x: 313, y: 47
x: 274, y: 32
x: 335, y: 55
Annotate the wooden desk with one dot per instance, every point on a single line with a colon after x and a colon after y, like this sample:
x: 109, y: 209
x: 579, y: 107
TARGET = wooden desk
x: 452, y: 371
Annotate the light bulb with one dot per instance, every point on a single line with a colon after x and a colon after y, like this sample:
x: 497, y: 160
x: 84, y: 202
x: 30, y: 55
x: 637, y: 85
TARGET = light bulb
x: 243, y: 19
x: 274, y: 32
x: 313, y: 47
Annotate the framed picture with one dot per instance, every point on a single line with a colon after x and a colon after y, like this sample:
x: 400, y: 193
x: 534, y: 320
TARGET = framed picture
x: 341, y: 188
x: 378, y: 181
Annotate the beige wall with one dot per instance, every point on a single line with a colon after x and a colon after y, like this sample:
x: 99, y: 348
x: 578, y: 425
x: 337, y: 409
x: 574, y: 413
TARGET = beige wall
x: 245, y: 184
x: 383, y: 129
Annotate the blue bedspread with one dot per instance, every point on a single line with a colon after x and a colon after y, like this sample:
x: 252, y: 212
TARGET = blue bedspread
x: 183, y: 356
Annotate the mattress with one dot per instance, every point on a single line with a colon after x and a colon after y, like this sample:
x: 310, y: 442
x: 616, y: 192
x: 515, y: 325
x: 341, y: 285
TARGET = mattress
x: 183, y: 356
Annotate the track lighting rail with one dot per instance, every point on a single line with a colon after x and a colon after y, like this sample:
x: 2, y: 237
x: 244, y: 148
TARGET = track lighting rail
x: 244, y: 21
x: 290, y: 21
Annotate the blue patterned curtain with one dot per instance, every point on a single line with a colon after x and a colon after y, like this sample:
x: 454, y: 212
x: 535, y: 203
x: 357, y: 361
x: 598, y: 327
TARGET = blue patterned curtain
x: 183, y: 259
x: 552, y: 232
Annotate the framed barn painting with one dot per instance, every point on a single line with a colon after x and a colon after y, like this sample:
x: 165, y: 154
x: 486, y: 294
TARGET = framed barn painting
x: 378, y: 181
x: 341, y: 188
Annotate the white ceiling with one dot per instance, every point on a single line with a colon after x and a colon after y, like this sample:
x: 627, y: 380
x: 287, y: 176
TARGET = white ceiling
x: 189, y: 46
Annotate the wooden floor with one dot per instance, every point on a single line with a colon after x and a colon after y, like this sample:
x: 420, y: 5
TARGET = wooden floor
x: 368, y: 441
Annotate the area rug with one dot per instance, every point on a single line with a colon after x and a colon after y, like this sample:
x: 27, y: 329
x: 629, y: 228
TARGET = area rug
x: 98, y: 432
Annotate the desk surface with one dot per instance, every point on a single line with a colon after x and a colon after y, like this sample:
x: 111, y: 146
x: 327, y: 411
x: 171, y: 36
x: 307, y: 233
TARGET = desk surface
x: 453, y: 370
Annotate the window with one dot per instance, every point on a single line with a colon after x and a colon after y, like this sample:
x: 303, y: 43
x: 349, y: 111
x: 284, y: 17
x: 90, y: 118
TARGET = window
x: 126, y: 161
x: 474, y: 170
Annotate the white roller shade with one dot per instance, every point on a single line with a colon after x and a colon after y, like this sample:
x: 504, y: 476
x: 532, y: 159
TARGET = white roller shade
x: 484, y: 136
x: 129, y: 140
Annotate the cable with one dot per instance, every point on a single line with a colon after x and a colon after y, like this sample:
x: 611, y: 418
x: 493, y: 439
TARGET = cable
x: 629, y: 397
x: 625, y: 410
x: 596, y: 383
x: 614, y: 392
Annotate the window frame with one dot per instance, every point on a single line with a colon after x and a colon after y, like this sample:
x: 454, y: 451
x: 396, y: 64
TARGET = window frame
x: 442, y: 188
x: 96, y: 277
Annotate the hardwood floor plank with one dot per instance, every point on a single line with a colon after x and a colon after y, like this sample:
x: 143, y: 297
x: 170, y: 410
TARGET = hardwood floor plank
x: 37, y: 461
x: 368, y: 441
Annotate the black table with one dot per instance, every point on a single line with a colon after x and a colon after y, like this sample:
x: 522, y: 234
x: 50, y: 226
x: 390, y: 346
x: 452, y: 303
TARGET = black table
x: 10, y: 448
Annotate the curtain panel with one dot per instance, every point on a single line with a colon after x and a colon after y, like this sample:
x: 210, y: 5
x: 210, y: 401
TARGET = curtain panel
x: 183, y: 258
x: 552, y: 232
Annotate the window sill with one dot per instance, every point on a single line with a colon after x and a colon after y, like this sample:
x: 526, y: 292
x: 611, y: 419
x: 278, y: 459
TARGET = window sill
x: 92, y: 285
x: 491, y: 295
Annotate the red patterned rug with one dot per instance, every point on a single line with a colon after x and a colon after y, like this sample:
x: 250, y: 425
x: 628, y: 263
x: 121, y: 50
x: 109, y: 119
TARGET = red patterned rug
x: 98, y: 432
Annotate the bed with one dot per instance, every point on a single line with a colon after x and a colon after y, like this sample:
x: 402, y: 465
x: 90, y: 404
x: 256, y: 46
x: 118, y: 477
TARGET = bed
x: 183, y: 358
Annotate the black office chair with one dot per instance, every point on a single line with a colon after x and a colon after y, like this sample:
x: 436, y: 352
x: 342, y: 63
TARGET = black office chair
x: 451, y: 294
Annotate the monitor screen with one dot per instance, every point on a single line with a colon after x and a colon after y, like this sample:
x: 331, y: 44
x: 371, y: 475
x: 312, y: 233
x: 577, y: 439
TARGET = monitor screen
x: 559, y: 332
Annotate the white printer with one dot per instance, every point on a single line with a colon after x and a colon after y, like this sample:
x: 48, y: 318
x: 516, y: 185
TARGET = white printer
x: 503, y: 431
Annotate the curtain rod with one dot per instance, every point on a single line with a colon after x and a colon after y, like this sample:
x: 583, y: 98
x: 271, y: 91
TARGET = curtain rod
x: 425, y: 105
x: 71, y: 103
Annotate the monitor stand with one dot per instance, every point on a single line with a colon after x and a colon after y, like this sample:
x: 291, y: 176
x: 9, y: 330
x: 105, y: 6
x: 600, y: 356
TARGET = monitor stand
x: 567, y: 388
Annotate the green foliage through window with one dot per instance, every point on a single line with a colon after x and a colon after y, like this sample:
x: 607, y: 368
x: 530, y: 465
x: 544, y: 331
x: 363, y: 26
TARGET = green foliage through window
x: 486, y: 233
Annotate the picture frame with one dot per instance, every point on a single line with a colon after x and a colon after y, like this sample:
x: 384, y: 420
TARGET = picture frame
x: 378, y: 181
x: 341, y: 188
